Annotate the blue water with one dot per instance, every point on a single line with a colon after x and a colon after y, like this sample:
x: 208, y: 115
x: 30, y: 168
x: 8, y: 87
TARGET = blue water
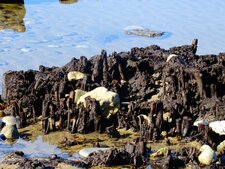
x: 37, y: 148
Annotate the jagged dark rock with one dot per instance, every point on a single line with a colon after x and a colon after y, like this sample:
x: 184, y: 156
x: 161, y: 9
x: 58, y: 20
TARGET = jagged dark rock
x: 170, y: 88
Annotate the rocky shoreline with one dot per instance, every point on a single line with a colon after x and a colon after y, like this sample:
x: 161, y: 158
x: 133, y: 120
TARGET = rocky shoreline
x: 163, y: 95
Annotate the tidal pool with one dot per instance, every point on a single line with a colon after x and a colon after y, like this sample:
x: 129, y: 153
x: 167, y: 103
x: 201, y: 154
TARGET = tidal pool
x: 35, y: 144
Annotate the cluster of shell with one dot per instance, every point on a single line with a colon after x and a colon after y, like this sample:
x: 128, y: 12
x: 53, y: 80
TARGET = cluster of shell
x: 153, y: 91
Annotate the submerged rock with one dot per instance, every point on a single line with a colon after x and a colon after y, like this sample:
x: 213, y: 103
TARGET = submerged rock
x: 68, y: 1
x: 144, y: 32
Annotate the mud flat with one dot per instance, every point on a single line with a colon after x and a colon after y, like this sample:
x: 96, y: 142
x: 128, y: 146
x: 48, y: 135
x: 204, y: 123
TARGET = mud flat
x: 172, y: 101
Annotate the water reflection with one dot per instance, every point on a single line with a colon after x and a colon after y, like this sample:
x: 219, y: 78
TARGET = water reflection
x: 12, y: 15
x: 68, y: 1
x: 12, y: 1
x: 37, y: 148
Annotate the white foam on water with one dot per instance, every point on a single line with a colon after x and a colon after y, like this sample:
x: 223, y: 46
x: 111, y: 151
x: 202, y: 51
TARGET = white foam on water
x: 81, y: 46
x: 25, y: 49
x: 53, y: 46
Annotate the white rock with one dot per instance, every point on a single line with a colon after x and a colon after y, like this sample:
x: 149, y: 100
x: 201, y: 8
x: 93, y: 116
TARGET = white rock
x: 109, y: 101
x: 10, y: 120
x: 87, y: 151
x: 78, y: 94
x: 10, y: 132
x: 170, y: 57
x: 146, y: 118
x: 167, y: 117
x: 221, y: 147
x: 10, y: 129
x: 203, y: 122
x: 75, y: 75
x: 218, y: 127
x: 207, y: 155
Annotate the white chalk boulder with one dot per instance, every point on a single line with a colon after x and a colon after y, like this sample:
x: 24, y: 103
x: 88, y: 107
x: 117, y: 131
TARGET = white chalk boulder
x: 75, y: 75
x: 9, y: 131
x: 10, y: 120
x: 87, y: 151
x: 78, y: 94
x: 170, y: 57
x: 218, y: 127
x: 221, y: 147
x: 207, y: 155
x: 109, y: 101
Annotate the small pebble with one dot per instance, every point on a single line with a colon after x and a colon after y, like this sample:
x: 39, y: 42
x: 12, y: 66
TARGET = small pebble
x: 19, y: 153
x: 53, y: 156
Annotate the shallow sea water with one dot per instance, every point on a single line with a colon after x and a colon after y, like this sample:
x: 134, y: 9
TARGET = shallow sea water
x: 47, y: 32
x: 36, y: 148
